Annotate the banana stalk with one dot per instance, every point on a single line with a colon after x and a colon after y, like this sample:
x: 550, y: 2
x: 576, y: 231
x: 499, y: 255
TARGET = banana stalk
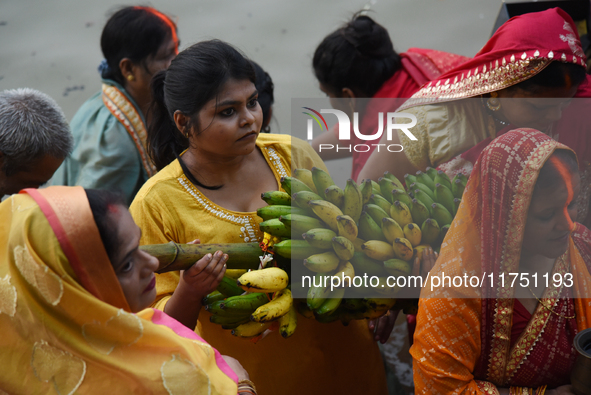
x: 173, y: 256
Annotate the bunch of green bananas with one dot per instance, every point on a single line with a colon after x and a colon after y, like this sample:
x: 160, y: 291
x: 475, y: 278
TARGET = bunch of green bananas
x: 375, y: 228
x: 248, y: 314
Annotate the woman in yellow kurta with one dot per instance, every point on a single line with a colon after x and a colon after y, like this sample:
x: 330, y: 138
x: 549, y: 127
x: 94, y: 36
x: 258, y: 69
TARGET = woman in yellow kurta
x: 211, y: 192
x: 67, y: 323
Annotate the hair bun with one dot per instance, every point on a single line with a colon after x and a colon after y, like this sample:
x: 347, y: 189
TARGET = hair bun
x: 368, y: 38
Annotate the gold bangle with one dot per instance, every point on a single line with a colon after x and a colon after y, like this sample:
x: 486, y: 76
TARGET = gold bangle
x: 249, y: 384
x: 246, y: 391
x: 541, y: 390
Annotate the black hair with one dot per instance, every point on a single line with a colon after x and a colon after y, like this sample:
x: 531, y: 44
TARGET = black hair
x: 555, y: 75
x: 135, y: 33
x: 193, y: 78
x: 100, y: 202
x: 359, y: 56
x: 549, y: 175
x: 264, y: 85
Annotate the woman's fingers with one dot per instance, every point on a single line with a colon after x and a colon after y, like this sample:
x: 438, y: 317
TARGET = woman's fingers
x: 416, y: 267
x: 196, y: 241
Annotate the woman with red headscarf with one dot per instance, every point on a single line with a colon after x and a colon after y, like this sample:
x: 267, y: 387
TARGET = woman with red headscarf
x: 516, y: 218
x: 358, y: 61
x: 110, y: 137
x: 525, y: 76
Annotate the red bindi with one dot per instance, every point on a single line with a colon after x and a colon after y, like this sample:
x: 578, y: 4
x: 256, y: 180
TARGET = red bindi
x: 167, y: 21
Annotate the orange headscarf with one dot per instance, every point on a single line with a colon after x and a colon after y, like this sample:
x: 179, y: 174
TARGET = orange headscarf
x: 462, y: 340
x: 66, y: 326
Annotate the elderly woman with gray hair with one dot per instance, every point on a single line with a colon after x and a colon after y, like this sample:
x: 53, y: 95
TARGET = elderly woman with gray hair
x: 34, y: 139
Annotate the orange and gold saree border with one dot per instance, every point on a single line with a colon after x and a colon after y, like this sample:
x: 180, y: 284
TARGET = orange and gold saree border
x: 535, y: 327
x: 503, y: 316
x: 487, y: 388
x: 128, y: 115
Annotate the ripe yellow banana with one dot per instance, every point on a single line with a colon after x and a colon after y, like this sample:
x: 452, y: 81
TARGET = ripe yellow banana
x: 305, y: 176
x: 366, y: 190
x: 327, y: 212
x: 353, y: 201
x: 271, y: 279
x: 345, y: 270
x: 403, y: 249
x: 357, y: 243
x: 288, y: 323
x: 343, y: 247
x: 322, y: 263
x: 251, y: 329
x: 347, y: 227
x: 335, y: 195
x: 276, y: 308
x: 377, y: 249
x: 400, y: 213
x: 391, y: 229
x: 322, y: 180
x: 412, y: 232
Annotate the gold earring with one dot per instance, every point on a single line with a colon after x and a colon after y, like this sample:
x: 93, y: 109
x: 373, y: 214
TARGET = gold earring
x: 493, y: 103
x: 130, y: 77
x: 351, y: 107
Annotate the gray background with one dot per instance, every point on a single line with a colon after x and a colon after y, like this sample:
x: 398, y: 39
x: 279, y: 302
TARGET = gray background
x: 53, y: 45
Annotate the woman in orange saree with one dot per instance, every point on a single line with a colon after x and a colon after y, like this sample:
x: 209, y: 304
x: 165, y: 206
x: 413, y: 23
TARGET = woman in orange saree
x: 499, y: 339
x: 67, y: 323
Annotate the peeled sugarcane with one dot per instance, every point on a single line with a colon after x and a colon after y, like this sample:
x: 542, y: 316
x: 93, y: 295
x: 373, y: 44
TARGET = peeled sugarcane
x: 173, y: 256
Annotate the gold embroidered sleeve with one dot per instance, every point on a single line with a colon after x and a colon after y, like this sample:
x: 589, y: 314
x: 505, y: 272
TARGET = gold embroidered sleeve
x: 487, y: 388
x: 417, y: 152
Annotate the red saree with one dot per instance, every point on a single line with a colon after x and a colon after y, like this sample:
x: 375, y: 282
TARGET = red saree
x: 520, y: 49
x: 463, y: 341
x: 418, y: 67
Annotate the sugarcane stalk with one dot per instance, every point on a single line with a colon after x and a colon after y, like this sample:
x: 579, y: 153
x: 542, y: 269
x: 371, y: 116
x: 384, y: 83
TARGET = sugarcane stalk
x: 173, y: 256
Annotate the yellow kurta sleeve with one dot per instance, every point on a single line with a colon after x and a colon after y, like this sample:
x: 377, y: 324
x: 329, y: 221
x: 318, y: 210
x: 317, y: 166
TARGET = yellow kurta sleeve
x: 444, y: 131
